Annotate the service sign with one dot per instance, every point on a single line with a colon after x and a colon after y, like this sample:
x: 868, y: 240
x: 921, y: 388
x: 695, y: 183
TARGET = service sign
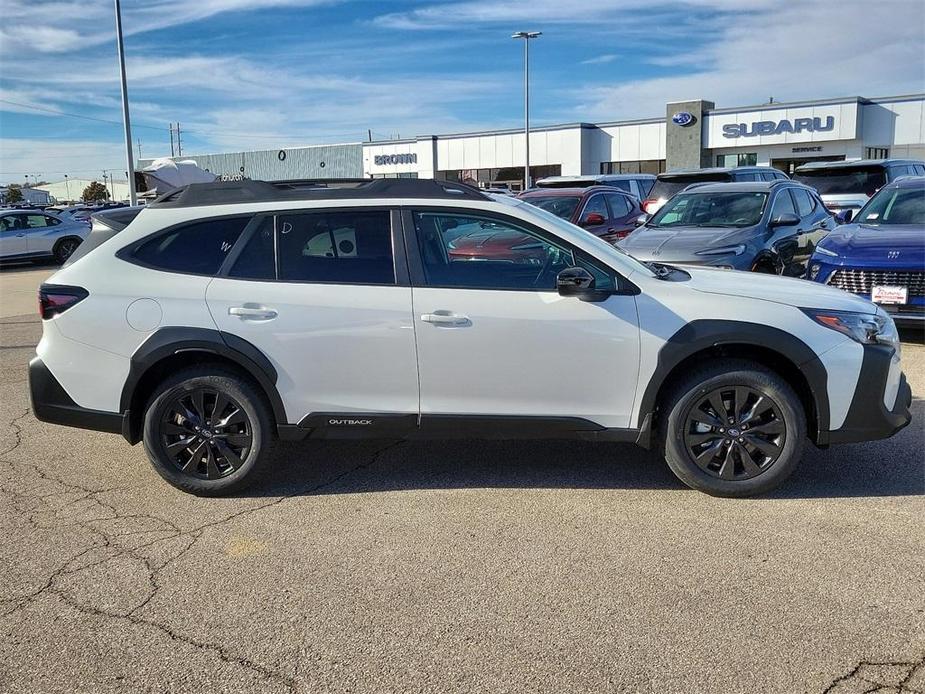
x: 890, y: 295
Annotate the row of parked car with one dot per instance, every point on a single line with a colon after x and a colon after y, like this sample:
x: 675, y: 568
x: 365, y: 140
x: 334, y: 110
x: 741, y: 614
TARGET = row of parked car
x: 42, y: 233
x: 758, y: 219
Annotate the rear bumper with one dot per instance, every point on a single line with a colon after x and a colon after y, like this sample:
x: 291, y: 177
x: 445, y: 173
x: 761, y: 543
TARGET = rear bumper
x: 868, y: 418
x: 52, y: 404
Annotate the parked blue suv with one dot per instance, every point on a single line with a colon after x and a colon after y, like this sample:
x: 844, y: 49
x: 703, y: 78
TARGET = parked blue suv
x: 881, y: 254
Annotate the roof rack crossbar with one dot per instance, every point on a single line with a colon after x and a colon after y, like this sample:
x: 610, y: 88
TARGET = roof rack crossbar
x: 231, y: 192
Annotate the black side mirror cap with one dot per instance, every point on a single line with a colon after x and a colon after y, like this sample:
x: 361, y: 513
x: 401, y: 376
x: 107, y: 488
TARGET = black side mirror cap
x: 844, y: 216
x: 787, y: 219
x: 579, y: 283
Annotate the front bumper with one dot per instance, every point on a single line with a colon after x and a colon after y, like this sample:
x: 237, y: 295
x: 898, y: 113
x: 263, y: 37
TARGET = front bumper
x: 868, y: 417
x: 52, y: 404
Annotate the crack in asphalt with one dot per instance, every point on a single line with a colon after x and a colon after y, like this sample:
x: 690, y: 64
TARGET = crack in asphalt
x: 857, y: 675
x: 106, y: 543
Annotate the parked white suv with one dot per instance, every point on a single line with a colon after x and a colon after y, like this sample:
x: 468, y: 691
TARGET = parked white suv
x: 226, y: 315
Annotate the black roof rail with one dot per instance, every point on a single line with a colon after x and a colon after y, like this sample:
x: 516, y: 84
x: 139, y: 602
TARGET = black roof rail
x: 231, y: 192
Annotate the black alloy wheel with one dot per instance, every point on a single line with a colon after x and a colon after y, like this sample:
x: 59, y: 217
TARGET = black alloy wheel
x: 65, y: 249
x: 205, y: 433
x: 734, y: 432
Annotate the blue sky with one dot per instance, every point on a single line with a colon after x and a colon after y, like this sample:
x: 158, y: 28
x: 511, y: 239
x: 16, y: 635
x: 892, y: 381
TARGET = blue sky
x: 261, y: 74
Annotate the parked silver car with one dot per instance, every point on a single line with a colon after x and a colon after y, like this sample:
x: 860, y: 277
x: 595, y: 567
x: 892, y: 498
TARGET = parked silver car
x: 28, y: 235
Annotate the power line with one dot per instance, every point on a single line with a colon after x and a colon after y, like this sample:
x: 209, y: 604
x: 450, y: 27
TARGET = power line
x: 73, y: 115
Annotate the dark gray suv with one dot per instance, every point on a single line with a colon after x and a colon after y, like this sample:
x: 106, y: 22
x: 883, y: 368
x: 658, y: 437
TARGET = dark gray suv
x: 768, y: 227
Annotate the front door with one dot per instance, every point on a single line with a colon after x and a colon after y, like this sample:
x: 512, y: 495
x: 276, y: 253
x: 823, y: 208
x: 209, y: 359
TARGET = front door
x: 13, y: 235
x: 495, y: 340
x: 318, y: 292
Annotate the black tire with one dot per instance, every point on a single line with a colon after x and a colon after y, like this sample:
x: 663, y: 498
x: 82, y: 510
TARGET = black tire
x: 232, y: 456
x: 733, y: 461
x: 65, y: 248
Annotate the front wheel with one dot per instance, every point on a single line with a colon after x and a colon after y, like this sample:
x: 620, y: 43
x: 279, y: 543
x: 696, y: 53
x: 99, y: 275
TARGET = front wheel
x: 207, y: 431
x: 733, y: 429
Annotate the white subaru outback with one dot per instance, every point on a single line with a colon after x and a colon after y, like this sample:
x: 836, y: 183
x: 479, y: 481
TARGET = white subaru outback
x: 227, y: 315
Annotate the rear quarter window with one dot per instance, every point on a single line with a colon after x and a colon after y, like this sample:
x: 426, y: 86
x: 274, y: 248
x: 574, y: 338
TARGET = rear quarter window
x: 197, y: 248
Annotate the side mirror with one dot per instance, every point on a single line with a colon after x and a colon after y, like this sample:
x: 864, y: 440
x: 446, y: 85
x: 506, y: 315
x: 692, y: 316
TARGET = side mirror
x: 592, y: 219
x: 844, y: 216
x: 787, y: 219
x: 578, y: 282
x: 640, y: 220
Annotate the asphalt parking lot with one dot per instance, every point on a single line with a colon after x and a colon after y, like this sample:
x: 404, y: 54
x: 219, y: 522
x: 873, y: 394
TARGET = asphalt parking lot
x: 463, y: 566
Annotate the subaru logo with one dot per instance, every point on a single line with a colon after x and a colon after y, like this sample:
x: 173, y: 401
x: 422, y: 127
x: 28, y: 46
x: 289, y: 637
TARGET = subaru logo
x: 892, y: 255
x: 682, y: 118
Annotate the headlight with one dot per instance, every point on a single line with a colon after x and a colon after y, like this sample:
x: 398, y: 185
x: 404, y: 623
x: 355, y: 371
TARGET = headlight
x: 825, y: 251
x: 725, y: 250
x: 866, y: 328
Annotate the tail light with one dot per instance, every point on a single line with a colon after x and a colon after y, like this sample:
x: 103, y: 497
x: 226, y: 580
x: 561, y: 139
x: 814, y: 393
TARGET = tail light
x: 650, y: 206
x: 58, y: 298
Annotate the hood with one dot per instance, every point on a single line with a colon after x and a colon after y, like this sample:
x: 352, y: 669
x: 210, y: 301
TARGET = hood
x: 655, y: 243
x: 892, y: 243
x: 781, y: 290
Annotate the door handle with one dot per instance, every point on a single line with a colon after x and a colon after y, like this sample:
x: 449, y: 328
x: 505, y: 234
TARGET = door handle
x: 446, y: 318
x: 253, y: 312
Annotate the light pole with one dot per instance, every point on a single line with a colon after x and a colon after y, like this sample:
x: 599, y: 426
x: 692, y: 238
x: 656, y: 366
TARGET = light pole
x: 526, y: 36
x: 67, y: 187
x: 130, y: 165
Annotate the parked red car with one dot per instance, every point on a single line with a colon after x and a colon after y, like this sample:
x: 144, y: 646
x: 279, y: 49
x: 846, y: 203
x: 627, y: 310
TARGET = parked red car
x: 606, y: 212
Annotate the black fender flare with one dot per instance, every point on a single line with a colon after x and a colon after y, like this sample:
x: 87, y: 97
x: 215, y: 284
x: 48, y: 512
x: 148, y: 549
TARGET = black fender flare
x: 168, y: 341
x: 700, y: 335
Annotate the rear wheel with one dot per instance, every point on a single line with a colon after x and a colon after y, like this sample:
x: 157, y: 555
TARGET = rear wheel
x: 207, y: 431
x: 64, y: 249
x: 735, y: 429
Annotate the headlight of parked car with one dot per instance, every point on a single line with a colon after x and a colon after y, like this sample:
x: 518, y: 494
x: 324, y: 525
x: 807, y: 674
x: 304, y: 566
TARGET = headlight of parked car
x: 725, y: 250
x: 866, y: 328
x: 826, y: 251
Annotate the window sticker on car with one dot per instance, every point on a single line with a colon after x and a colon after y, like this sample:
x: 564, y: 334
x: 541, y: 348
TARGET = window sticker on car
x: 889, y: 295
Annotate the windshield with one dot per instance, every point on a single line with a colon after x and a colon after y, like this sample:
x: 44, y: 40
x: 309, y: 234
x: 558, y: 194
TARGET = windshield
x: 843, y: 180
x: 668, y: 186
x: 895, y: 206
x: 560, y: 205
x: 711, y: 210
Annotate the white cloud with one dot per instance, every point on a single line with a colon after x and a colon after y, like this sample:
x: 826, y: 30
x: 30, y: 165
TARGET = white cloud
x: 600, y: 59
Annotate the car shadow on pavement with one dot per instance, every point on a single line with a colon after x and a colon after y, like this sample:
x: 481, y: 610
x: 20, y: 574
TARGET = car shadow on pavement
x: 893, y: 467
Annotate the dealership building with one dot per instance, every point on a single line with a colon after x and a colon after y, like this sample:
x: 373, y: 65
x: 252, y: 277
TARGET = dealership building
x: 692, y: 134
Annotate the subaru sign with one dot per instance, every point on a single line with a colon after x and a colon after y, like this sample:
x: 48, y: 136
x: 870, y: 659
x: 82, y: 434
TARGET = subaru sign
x: 770, y: 127
x: 682, y: 118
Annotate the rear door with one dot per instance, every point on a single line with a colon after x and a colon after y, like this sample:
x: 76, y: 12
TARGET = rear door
x: 623, y: 215
x: 324, y: 295
x: 497, y: 345
x: 815, y: 223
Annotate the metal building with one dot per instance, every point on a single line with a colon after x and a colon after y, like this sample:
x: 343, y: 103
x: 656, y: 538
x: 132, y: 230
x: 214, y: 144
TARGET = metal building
x: 317, y: 161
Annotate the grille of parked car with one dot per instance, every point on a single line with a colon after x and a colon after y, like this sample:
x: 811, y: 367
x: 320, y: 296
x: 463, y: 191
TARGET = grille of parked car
x: 862, y: 281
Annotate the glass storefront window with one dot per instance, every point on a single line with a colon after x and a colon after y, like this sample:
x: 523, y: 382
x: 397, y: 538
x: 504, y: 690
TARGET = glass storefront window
x: 741, y: 159
x: 646, y: 166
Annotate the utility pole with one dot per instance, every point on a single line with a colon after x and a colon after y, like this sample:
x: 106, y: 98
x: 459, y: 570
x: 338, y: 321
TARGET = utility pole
x: 67, y: 187
x: 129, y: 164
x: 526, y: 36
x: 139, y: 148
x: 172, y: 153
x: 179, y: 143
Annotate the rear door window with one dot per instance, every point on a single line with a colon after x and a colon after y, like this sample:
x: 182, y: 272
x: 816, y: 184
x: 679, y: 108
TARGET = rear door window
x: 353, y: 247
x: 619, y: 205
x: 198, y: 248
x: 804, y: 201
